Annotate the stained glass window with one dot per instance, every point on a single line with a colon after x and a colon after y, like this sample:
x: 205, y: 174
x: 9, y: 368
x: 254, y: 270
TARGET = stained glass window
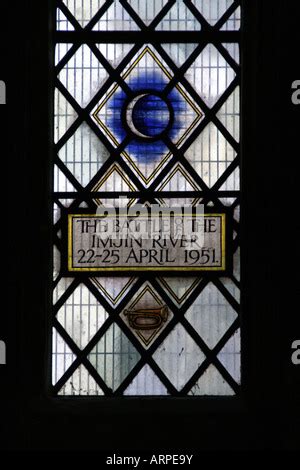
x: 147, y: 107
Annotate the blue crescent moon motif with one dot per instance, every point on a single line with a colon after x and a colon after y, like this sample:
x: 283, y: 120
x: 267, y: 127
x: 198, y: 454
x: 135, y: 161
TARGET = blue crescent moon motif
x: 150, y: 115
x: 147, y: 115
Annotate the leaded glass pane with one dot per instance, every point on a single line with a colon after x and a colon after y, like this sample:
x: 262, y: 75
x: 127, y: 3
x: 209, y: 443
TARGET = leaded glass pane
x: 146, y: 112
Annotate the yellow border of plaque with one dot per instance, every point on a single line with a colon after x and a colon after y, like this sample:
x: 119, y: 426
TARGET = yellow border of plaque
x: 145, y: 268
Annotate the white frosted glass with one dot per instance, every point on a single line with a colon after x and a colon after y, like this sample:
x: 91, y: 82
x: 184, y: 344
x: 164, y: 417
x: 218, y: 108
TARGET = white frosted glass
x: 179, y: 357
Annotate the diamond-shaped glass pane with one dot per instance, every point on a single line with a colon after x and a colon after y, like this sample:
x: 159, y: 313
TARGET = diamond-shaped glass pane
x: 146, y: 314
x: 114, y: 357
x: 179, y: 357
x: 83, y: 75
x: 146, y: 116
x: 211, y: 315
x: 83, y: 154
x: 210, y: 74
x: 210, y: 154
x: 81, y: 316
